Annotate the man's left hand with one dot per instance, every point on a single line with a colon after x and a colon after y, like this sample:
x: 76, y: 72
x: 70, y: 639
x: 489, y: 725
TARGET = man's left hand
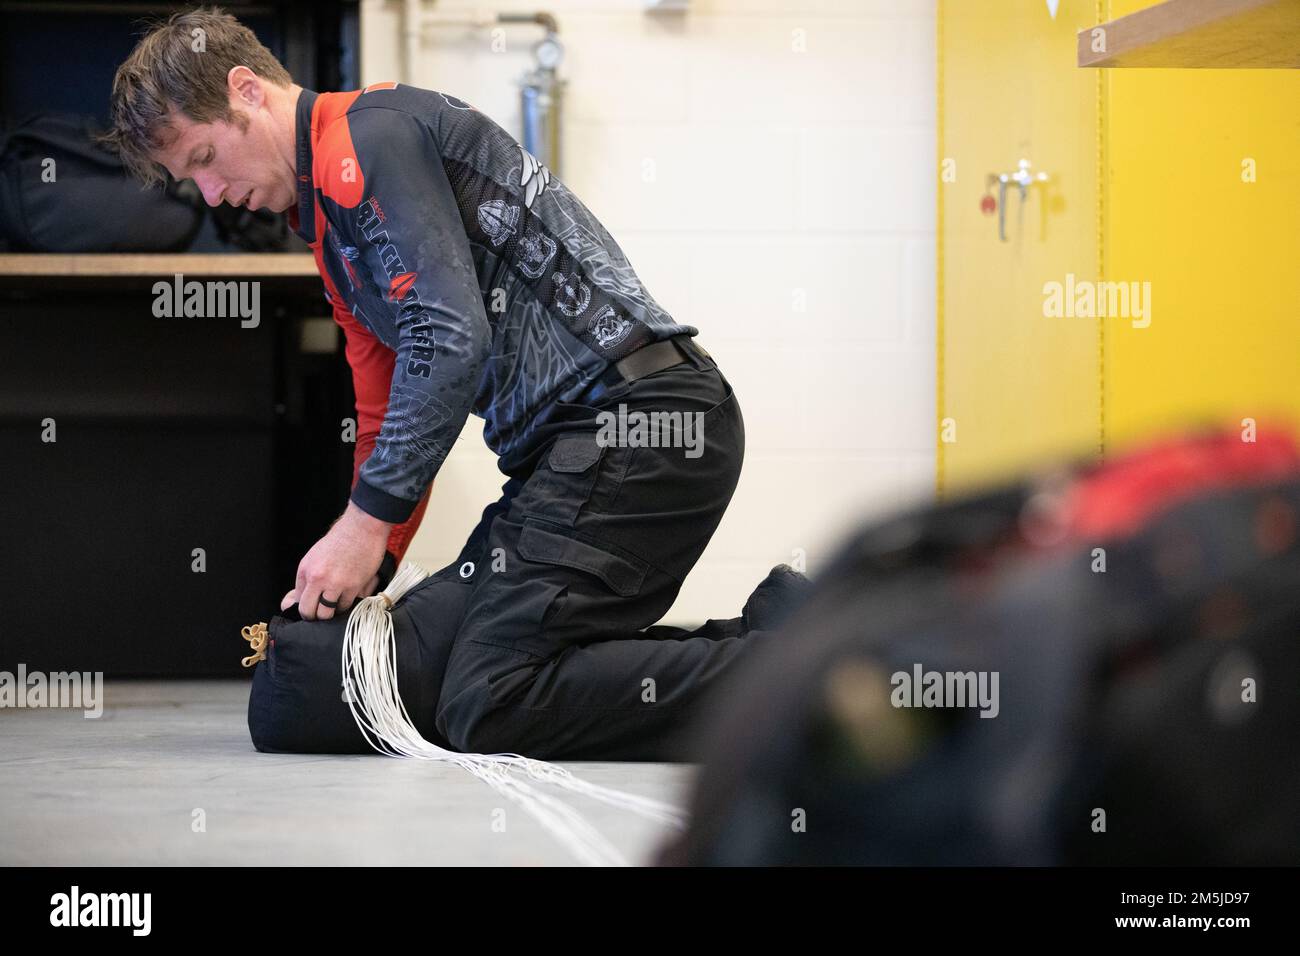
x: 341, y: 566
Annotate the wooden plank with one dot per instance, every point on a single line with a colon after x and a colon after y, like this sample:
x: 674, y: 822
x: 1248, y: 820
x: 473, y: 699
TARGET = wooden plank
x: 1200, y: 34
x: 157, y: 265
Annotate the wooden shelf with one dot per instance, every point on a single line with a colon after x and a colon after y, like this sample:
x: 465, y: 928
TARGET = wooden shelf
x: 157, y: 265
x: 1201, y: 34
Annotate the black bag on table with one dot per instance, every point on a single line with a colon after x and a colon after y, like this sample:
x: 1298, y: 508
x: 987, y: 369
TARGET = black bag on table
x: 92, y: 204
x: 1120, y: 690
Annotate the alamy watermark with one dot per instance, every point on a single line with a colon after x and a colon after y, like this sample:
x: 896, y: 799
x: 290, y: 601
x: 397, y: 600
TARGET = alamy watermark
x: 208, y: 300
x: 74, y: 908
x: 1084, y: 299
x: 638, y: 429
x: 59, y: 689
x: 922, y: 688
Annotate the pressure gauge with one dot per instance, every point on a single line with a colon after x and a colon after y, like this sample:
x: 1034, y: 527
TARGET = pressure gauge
x: 549, y: 53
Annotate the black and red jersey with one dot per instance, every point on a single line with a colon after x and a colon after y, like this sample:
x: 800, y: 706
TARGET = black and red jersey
x: 466, y: 276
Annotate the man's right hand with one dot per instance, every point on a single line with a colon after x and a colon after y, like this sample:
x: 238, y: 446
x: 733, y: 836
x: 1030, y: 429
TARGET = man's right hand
x: 291, y: 598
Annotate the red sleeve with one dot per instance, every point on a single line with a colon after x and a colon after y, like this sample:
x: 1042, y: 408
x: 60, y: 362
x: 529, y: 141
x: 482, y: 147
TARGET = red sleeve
x: 372, y: 376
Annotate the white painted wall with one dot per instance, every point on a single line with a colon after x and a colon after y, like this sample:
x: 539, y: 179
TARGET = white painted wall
x: 791, y: 219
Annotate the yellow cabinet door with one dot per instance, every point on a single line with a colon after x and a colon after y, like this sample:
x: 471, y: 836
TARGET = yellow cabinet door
x: 1016, y: 385
x: 1203, y: 201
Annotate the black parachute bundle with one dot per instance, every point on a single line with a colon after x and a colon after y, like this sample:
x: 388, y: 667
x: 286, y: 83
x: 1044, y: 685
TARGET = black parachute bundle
x: 369, y: 681
x: 298, y: 702
x: 1142, y: 621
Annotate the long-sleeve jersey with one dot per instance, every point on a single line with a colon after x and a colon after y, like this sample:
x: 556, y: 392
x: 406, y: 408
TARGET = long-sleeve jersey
x: 467, y: 279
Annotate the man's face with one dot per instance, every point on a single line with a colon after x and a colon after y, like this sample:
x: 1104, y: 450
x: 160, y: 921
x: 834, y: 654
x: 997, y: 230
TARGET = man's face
x: 236, y: 163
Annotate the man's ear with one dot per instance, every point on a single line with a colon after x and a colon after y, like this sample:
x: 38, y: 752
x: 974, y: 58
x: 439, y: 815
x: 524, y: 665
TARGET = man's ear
x: 245, y: 87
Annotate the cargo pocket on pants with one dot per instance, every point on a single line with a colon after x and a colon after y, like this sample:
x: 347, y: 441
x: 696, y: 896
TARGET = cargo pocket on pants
x: 561, y: 486
x: 606, y: 577
x: 623, y: 575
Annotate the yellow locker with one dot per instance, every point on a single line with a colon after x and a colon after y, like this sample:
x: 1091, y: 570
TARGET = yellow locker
x: 1014, y: 385
x: 1178, y: 187
x: 1203, y: 195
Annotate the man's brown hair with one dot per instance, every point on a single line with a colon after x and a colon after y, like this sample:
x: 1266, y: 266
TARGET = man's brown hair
x: 181, y: 65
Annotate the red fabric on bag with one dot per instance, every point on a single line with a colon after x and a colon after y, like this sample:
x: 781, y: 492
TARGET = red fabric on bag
x: 1123, y: 494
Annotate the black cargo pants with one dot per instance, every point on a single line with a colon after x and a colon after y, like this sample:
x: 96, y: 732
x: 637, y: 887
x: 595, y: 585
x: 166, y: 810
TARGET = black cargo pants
x: 578, y: 558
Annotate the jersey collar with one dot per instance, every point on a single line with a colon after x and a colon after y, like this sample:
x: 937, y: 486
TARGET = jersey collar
x: 302, y: 216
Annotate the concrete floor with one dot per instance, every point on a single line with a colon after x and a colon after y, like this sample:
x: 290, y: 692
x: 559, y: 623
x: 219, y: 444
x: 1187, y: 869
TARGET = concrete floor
x: 122, y: 790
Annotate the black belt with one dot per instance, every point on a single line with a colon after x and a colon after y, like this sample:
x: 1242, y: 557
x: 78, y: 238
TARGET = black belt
x: 651, y: 358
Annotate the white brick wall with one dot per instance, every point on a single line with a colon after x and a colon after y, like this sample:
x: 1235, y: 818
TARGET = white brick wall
x: 790, y: 218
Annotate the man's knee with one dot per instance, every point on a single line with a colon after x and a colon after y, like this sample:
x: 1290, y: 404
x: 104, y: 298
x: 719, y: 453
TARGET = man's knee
x: 458, y: 721
x: 474, y: 715
x: 474, y: 726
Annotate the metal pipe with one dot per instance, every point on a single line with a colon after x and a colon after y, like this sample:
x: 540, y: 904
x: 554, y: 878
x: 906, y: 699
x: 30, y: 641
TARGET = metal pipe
x: 541, y: 88
x: 411, y: 30
x: 544, y: 20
